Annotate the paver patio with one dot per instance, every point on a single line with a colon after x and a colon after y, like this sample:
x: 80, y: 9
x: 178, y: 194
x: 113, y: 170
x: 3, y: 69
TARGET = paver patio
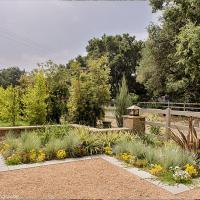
x: 92, y: 178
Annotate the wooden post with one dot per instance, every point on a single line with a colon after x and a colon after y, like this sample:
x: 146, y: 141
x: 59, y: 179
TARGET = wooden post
x: 167, y: 124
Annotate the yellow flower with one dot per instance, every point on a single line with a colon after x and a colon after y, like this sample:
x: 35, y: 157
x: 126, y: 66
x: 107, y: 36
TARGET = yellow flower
x: 41, y: 156
x: 191, y: 170
x: 108, y: 150
x: 32, y: 155
x: 4, y: 147
x: 61, y: 154
x: 126, y: 157
x: 156, y: 169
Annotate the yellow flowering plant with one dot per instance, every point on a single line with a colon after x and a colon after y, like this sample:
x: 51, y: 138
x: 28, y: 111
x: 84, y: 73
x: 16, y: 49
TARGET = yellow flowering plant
x: 4, y: 147
x: 41, y: 156
x: 191, y: 170
x: 61, y: 154
x: 126, y: 157
x: 156, y: 169
x: 14, y: 159
x: 32, y: 155
x: 108, y: 150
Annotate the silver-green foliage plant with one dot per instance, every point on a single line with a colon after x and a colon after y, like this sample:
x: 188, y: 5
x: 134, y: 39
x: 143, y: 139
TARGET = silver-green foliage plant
x: 123, y: 101
x: 29, y: 141
x: 169, y: 155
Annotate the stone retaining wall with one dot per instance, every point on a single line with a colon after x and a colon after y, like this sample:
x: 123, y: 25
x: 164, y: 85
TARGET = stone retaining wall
x: 19, y: 129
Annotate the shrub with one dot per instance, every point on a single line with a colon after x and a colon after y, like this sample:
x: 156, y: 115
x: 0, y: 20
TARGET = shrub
x: 156, y: 169
x: 136, y: 148
x: 70, y: 142
x: 41, y: 156
x: 108, y: 150
x: 121, y: 147
x: 126, y: 157
x: 140, y: 163
x: 191, y: 170
x: 11, y: 142
x: 173, y: 155
x: 52, y: 147
x: 32, y: 155
x: 14, y: 159
x: 155, y: 130
x: 30, y: 141
x: 123, y: 101
x: 61, y: 154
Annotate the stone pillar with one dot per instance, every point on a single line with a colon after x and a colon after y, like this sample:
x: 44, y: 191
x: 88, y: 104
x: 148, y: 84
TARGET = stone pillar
x: 137, y: 123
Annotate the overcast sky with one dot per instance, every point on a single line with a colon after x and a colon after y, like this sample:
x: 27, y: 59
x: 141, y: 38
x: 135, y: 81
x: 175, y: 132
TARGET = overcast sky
x: 35, y: 31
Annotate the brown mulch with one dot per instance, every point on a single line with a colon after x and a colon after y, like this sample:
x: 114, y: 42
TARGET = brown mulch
x: 94, y: 179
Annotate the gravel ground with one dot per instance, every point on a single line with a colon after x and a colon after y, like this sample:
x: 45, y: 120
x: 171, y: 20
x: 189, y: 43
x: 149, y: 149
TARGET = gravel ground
x: 94, y: 179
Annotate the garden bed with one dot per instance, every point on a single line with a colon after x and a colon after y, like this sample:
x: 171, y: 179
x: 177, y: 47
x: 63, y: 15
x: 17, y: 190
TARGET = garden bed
x: 165, y: 160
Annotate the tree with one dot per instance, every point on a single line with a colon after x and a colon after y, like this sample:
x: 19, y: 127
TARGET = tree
x: 10, y: 76
x: 34, y: 100
x: 58, y: 82
x: 89, y: 92
x: 123, y: 53
x: 188, y: 64
x: 123, y: 101
x: 161, y: 69
x: 10, y: 104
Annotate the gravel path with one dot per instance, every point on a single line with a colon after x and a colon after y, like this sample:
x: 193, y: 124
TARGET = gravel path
x: 94, y: 179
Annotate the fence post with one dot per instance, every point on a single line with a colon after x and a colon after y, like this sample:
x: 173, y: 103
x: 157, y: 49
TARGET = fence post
x: 167, y: 124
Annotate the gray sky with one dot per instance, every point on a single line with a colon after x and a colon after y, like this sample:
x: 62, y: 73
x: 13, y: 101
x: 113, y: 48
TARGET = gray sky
x: 35, y: 31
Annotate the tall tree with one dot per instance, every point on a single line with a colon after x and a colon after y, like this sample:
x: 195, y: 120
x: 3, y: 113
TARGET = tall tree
x: 10, y: 76
x: 89, y: 92
x: 123, y: 53
x: 34, y: 100
x: 10, y: 104
x: 58, y: 82
x: 161, y: 69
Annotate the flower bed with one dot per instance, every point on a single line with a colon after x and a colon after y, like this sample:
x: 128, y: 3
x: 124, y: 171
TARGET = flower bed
x: 168, y: 162
x: 165, y: 160
x: 56, y: 143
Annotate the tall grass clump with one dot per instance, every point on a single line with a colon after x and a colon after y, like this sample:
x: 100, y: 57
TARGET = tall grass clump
x: 30, y: 141
x: 53, y: 146
x: 172, y: 155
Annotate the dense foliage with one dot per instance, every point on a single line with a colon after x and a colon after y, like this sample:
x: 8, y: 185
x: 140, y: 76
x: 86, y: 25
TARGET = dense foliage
x: 123, y: 53
x: 34, y: 100
x: 170, y: 58
x: 56, y: 143
x: 166, y: 160
x: 10, y: 76
x: 89, y: 92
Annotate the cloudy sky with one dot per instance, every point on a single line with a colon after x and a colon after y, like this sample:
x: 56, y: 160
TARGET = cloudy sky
x: 35, y: 31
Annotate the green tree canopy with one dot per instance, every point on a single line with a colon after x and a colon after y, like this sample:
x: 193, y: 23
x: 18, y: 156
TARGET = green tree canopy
x: 123, y: 53
x: 58, y: 82
x: 162, y: 69
x: 34, y: 100
x: 89, y: 92
x: 10, y: 104
x: 10, y: 76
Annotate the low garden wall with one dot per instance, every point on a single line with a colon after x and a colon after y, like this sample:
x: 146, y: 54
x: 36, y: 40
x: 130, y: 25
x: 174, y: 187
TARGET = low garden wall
x: 19, y: 129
